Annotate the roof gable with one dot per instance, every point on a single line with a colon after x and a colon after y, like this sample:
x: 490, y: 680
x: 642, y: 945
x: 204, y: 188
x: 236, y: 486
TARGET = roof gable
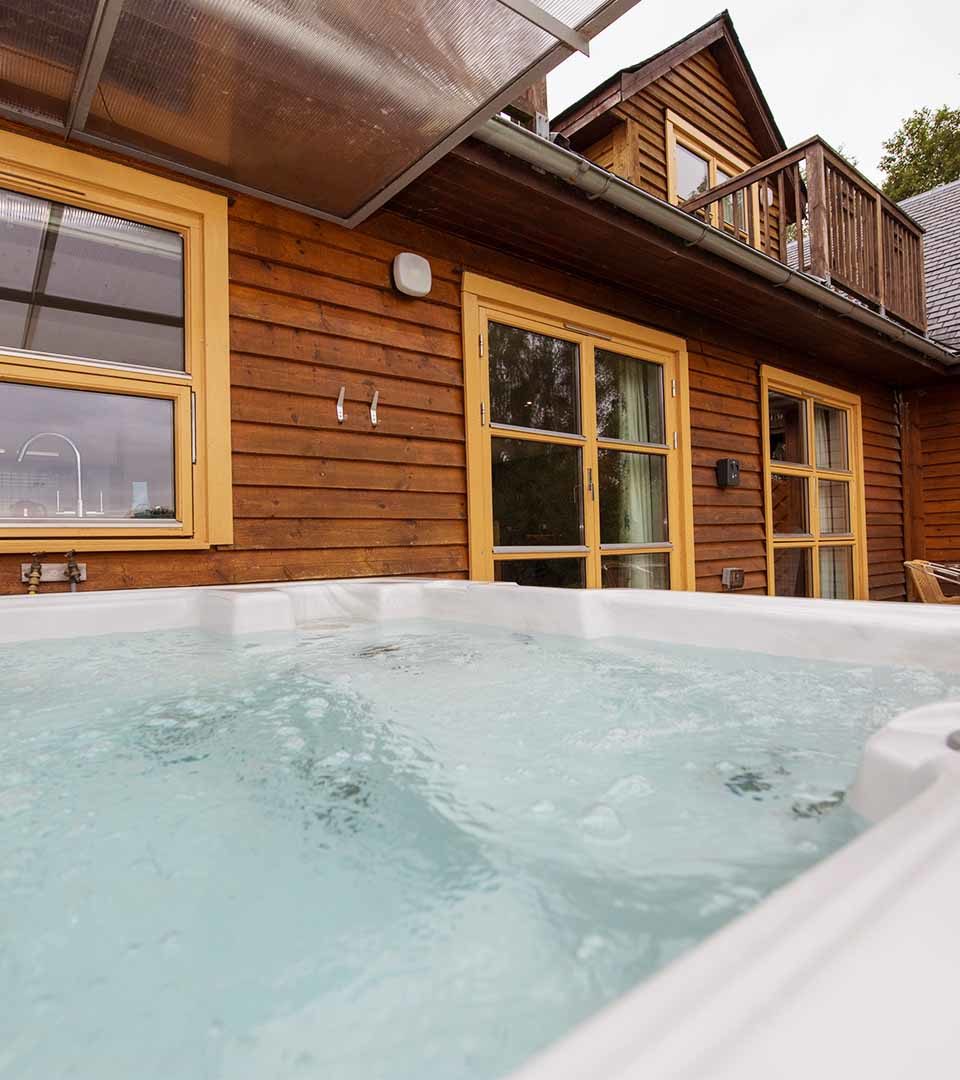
x: 589, y: 118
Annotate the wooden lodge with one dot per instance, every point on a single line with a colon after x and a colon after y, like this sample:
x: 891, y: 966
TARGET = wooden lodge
x: 709, y: 370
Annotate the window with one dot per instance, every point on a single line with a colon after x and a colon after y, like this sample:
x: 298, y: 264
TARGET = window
x: 813, y: 467
x: 695, y: 164
x: 114, y: 376
x: 578, y: 445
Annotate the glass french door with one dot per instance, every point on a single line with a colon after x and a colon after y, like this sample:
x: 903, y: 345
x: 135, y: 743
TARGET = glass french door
x: 579, y: 448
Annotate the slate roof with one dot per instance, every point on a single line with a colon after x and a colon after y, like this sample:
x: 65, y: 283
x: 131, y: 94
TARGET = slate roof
x: 938, y: 211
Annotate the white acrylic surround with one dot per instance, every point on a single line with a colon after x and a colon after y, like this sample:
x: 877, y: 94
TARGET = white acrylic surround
x: 851, y: 970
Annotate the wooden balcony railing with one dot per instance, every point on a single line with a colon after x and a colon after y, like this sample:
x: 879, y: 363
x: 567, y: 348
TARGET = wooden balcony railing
x: 811, y: 210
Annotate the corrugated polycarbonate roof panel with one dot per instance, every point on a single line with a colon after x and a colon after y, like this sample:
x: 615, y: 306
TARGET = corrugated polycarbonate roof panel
x: 325, y: 102
x: 41, y: 45
x: 329, y: 105
x: 571, y: 12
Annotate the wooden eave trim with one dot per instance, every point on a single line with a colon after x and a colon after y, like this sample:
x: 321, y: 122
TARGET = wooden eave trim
x: 632, y: 82
x: 606, y: 96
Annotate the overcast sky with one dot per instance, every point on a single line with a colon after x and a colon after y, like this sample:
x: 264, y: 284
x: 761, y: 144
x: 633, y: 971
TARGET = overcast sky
x: 849, y: 70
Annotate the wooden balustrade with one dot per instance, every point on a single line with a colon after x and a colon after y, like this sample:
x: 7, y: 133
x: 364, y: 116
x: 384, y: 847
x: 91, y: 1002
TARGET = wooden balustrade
x: 812, y: 211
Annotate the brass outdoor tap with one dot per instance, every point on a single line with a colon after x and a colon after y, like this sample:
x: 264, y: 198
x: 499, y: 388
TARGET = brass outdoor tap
x: 36, y: 572
x: 74, y: 574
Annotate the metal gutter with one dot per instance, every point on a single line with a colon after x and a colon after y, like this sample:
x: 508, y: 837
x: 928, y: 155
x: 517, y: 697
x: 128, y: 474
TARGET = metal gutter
x: 597, y: 183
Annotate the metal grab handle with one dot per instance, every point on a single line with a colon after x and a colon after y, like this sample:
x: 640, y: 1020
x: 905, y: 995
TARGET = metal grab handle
x: 373, y: 407
x: 341, y: 416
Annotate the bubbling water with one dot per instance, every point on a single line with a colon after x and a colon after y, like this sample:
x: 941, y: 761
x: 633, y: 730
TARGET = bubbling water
x: 389, y: 851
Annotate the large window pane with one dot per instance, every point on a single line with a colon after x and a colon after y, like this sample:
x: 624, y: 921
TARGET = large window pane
x: 534, y: 380
x: 80, y: 283
x: 629, y: 398
x: 649, y: 570
x: 788, y: 428
x: 789, y: 510
x: 834, y: 507
x: 82, y: 458
x: 791, y: 572
x: 633, y: 497
x: 546, y: 573
x: 693, y: 174
x: 836, y: 573
x: 537, y: 494
x: 831, y: 437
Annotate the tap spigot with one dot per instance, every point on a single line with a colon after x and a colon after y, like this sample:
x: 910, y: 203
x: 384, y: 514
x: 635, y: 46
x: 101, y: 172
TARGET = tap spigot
x: 36, y: 573
x: 74, y: 574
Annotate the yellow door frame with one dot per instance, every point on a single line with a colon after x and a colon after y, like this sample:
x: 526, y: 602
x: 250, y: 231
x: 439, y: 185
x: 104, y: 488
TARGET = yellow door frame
x: 483, y: 299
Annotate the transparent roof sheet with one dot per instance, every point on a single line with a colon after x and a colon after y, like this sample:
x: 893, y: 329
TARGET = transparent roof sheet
x: 41, y: 44
x: 322, y: 104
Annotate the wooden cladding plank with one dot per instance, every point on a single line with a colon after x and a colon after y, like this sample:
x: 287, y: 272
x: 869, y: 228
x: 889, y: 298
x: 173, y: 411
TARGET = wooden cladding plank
x: 250, y: 239
x: 277, y: 534
x: 936, y: 522
x: 251, y: 303
x: 273, y: 277
x: 350, y: 445
x: 261, y: 502
x: 732, y: 406
x: 268, y: 217
x: 320, y: 413
x: 315, y: 380
x: 271, y: 471
x: 288, y: 343
x: 138, y: 570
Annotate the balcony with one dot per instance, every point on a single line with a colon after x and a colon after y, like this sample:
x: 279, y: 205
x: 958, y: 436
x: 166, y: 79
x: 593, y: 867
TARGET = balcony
x: 813, y: 212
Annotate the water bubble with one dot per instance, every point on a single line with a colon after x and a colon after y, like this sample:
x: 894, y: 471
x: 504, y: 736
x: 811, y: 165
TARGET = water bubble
x: 630, y: 787
x: 602, y: 822
x: 590, y: 945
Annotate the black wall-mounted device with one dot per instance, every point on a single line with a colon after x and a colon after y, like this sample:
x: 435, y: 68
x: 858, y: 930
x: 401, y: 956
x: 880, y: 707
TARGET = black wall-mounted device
x: 728, y: 472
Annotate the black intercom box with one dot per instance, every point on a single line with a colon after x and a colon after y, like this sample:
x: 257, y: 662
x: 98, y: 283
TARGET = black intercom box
x: 728, y: 472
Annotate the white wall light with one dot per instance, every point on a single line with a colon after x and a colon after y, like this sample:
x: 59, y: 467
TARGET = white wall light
x: 411, y: 274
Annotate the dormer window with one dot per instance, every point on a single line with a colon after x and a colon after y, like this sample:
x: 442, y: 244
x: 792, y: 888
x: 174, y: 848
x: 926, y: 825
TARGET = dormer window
x: 692, y: 173
x: 695, y: 164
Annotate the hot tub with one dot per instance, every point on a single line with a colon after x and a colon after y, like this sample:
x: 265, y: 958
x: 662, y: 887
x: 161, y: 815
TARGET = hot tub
x: 402, y: 829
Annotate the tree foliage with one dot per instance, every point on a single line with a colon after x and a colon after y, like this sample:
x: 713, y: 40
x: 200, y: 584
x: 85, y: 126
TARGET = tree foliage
x: 922, y: 153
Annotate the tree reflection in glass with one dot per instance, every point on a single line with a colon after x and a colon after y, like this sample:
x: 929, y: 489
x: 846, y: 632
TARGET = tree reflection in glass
x: 629, y: 399
x: 534, y: 380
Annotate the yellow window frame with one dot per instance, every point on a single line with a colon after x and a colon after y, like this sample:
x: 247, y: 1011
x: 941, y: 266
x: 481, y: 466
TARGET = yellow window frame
x: 486, y: 300
x: 680, y: 132
x: 200, y: 394
x: 814, y: 393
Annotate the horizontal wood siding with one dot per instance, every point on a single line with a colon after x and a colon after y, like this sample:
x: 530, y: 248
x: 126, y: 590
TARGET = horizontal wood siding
x: 312, y: 309
x: 937, y: 418
x: 725, y: 419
